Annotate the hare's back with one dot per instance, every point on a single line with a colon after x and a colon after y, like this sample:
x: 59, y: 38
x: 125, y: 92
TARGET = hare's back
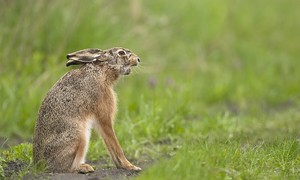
x: 73, y: 95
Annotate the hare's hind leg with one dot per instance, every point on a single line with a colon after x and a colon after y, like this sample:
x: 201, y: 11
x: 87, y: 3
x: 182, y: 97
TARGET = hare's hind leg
x: 60, y: 154
x: 79, y: 164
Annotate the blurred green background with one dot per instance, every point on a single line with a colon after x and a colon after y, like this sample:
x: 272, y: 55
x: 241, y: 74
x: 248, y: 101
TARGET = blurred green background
x: 210, y: 69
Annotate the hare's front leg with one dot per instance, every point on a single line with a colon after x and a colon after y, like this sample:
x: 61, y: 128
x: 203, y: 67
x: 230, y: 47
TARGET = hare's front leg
x: 78, y: 164
x: 106, y: 130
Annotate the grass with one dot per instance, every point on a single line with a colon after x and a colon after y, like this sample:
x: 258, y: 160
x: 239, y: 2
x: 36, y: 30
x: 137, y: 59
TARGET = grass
x: 17, y: 162
x: 216, y: 96
x: 231, y: 159
x: 226, y: 148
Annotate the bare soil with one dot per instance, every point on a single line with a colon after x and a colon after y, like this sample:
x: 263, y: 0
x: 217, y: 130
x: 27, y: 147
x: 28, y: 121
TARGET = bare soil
x: 102, y: 171
x: 13, y: 167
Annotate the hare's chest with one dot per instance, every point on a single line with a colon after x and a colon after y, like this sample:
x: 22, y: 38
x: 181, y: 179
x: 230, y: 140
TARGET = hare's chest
x: 107, y: 105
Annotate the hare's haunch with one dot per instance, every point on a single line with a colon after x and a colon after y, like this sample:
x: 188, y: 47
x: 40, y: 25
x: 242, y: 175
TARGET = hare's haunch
x: 82, y: 99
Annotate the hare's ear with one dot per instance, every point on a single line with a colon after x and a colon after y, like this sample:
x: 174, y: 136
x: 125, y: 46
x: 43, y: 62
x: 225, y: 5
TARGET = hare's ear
x: 85, y: 56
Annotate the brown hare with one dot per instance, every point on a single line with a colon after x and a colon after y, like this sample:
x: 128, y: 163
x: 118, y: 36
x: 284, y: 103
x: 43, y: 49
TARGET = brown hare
x: 82, y: 99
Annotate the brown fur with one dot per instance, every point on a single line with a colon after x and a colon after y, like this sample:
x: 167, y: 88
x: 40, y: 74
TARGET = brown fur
x: 83, y: 98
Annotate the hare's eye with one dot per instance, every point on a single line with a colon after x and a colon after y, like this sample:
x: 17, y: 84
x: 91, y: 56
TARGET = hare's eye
x: 121, y: 53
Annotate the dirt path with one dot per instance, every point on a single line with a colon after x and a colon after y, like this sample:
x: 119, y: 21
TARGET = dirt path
x: 100, y: 173
x: 111, y: 173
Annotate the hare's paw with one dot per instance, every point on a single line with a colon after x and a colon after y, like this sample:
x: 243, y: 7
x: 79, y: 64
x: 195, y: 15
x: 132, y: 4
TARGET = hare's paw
x: 85, y: 168
x: 135, y: 168
x: 132, y: 167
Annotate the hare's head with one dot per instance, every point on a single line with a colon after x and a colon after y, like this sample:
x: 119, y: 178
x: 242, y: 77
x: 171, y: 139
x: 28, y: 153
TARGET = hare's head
x: 122, y: 59
x: 118, y: 58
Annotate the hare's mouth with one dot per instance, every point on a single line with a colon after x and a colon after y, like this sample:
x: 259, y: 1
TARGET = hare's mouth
x: 126, y: 70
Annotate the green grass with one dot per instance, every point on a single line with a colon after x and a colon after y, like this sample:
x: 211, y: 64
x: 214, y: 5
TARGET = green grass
x: 217, y: 92
x: 17, y: 162
x: 231, y: 159
x: 227, y: 147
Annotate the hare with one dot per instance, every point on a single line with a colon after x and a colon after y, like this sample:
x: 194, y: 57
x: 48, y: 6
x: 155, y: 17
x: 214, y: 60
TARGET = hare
x: 82, y: 99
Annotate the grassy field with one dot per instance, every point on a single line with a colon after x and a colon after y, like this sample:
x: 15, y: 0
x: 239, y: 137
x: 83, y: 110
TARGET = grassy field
x: 217, y: 95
